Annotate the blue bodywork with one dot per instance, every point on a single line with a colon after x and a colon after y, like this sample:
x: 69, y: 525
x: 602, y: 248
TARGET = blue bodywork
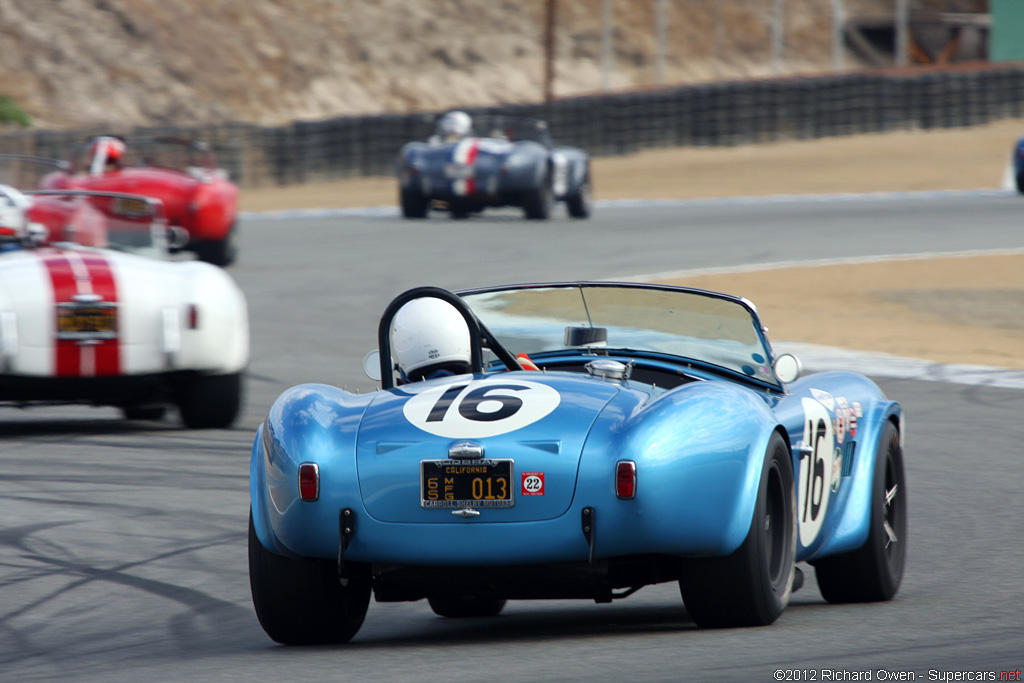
x: 698, y: 448
x: 513, y: 162
x: 697, y: 434
x: 1018, y: 165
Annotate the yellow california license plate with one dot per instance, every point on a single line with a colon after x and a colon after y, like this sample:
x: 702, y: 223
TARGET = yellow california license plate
x: 466, y: 483
x: 93, y: 321
x: 131, y: 207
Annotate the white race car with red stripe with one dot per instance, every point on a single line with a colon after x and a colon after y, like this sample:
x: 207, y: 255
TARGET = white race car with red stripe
x: 110, y: 324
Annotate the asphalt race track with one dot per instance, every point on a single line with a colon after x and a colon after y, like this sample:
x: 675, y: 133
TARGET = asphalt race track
x: 123, y: 545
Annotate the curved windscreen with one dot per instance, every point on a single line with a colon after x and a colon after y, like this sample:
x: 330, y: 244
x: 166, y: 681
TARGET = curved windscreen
x: 691, y: 324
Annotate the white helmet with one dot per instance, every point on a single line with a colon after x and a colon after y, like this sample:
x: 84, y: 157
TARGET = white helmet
x: 455, y: 124
x: 427, y: 332
x: 13, y: 218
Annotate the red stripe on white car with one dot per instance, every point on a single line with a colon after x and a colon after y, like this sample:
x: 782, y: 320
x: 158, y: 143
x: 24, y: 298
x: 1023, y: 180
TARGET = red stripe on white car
x: 464, y: 154
x: 108, y: 352
x: 73, y: 273
x: 62, y: 278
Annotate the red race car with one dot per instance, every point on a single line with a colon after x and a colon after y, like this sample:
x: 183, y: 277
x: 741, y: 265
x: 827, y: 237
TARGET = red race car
x: 197, y: 195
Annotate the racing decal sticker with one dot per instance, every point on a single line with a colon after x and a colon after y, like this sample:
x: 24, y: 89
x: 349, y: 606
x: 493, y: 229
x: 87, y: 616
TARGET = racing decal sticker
x: 842, y: 419
x: 473, y: 409
x: 855, y: 412
x: 533, y: 484
x: 815, y: 464
x: 825, y: 398
x: 837, y: 469
x: 82, y: 283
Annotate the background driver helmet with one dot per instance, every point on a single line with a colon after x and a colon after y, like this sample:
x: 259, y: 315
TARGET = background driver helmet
x: 13, y: 218
x: 455, y: 124
x: 428, y: 335
x: 105, y: 151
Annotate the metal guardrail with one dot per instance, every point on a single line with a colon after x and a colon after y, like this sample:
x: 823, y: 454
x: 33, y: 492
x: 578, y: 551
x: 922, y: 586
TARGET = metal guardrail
x: 724, y: 113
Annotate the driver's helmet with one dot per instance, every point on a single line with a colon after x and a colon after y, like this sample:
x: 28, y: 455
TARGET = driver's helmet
x: 13, y: 217
x: 454, y: 125
x: 105, y: 153
x: 429, y: 338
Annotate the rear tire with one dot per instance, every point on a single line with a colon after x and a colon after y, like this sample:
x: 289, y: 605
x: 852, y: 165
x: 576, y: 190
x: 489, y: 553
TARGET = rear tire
x: 578, y: 203
x: 220, y: 252
x: 414, y: 204
x: 537, y: 201
x: 211, y: 401
x: 302, y: 602
x: 459, y: 208
x: 460, y: 608
x: 751, y: 586
x: 873, y: 572
x: 1020, y: 182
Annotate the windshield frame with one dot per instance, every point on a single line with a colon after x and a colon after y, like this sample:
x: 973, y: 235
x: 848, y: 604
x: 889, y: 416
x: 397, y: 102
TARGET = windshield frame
x: 152, y: 219
x: 763, y: 375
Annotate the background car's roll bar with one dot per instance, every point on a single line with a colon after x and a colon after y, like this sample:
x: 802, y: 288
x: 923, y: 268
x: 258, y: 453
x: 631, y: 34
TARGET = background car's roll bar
x: 477, y: 332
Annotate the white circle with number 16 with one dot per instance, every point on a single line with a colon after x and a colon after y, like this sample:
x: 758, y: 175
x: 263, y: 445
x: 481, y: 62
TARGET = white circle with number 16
x: 814, y: 481
x: 474, y: 409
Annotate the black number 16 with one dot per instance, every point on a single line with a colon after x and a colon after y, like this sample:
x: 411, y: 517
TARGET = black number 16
x: 469, y: 407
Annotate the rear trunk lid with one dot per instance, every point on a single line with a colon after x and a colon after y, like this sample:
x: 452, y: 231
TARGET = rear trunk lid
x: 507, y: 446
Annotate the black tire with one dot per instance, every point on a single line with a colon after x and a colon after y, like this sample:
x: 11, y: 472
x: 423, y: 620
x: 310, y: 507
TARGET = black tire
x: 1020, y: 182
x: 460, y: 208
x: 751, y: 586
x: 537, y: 201
x: 211, y: 401
x: 578, y: 202
x: 460, y: 608
x: 219, y: 253
x: 873, y: 572
x: 144, y: 412
x: 414, y: 204
x: 302, y: 602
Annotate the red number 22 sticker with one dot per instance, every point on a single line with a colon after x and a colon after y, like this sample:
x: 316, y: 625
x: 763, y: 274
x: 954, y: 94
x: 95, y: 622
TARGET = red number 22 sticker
x: 533, y: 484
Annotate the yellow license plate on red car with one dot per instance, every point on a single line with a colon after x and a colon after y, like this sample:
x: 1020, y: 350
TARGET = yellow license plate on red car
x: 131, y: 207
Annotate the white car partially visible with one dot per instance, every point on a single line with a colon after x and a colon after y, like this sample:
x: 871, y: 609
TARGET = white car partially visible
x: 117, y: 322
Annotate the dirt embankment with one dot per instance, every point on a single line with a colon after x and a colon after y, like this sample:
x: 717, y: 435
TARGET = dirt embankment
x: 123, y: 63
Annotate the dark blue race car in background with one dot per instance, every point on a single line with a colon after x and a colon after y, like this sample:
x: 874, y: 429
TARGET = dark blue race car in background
x: 503, y: 161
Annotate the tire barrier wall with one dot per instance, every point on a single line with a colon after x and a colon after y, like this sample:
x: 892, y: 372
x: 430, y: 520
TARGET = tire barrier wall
x: 724, y: 113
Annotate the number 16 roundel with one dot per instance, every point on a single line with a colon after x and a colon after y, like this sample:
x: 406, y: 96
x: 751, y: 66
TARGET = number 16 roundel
x: 480, y: 408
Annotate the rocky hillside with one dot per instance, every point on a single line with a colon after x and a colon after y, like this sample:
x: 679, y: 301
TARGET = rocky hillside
x: 120, y: 63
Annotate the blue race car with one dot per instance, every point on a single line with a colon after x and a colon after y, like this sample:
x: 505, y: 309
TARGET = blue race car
x: 602, y: 437
x: 1018, y: 165
x: 511, y: 161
